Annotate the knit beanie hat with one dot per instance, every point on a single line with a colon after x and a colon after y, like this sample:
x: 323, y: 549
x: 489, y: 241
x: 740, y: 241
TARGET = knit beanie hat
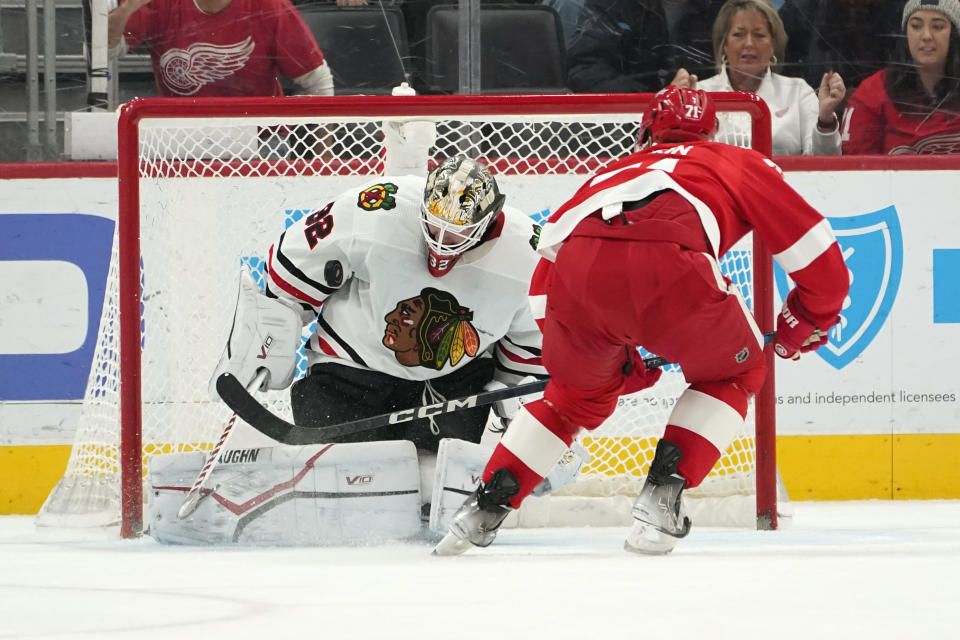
x: 949, y: 8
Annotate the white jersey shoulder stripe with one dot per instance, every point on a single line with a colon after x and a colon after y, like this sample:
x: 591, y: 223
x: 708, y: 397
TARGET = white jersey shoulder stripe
x: 554, y: 233
x: 538, y: 306
x: 808, y: 248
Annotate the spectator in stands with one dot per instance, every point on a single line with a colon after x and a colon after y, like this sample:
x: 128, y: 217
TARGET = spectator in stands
x: 569, y: 11
x: 618, y: 47
x: 689, y: 23
x: 748, y: 42
x: 222, y: 47
x: 636, y: 45
x: 855, y: 38
x: 912, y: 106
x: 415, y: 19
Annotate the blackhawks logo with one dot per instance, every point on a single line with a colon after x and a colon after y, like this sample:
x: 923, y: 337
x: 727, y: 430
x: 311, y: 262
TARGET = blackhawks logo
x: 379, y: 196
x: 430, y: 329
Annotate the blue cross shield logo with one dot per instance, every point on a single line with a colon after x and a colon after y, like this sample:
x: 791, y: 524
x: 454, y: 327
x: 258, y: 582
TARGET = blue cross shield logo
x: 872, y: 247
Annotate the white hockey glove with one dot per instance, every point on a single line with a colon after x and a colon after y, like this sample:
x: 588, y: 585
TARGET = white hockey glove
x: 407, y: 144
x: 505, y: 410
x: 565, y: 472
x: 265, y: 335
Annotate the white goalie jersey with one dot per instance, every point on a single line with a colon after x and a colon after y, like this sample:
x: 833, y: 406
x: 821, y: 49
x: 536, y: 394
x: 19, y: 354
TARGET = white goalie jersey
x: 360, y: 262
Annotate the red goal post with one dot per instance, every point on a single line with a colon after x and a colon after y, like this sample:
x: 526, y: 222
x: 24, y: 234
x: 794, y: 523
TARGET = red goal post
x: 265, y: 146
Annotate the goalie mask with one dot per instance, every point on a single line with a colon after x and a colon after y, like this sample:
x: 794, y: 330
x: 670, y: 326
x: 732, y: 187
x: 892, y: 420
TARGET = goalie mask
x: 460, y: 200
x: 678, y: 115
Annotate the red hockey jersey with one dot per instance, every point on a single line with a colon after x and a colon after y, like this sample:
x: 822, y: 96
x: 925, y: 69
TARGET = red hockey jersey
x: 733, y: 191
x: 873, y: 124
x: 237, y: 52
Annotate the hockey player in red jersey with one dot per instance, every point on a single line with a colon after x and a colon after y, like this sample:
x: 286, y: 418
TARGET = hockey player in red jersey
x: 631, y: 259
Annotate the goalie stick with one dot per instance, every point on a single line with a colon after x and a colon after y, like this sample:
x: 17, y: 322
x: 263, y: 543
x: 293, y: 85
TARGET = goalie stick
x: 262, y: 419
x: 193, y: 497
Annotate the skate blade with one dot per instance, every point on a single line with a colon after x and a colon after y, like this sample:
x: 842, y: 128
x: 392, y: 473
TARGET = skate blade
x: 646, y: 540
x: 451, y: 545
x: 647, y: 551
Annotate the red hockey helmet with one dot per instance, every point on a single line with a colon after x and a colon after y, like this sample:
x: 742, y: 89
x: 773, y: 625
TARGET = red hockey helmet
x: 679, y: 115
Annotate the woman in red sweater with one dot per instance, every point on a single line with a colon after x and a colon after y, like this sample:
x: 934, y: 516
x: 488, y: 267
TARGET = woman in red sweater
x: 914, y: 106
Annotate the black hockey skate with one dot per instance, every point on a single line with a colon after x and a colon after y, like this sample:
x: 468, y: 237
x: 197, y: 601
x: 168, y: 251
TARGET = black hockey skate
x: 659, y: 518
x: 476, y: 522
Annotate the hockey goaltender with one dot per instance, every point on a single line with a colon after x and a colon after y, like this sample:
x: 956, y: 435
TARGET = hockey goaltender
x: 423, y: 285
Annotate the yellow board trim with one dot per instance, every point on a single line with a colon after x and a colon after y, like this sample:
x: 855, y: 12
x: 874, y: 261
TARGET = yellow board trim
x: 914, y: 466
x: 858, y: 467
x: 28, y: 474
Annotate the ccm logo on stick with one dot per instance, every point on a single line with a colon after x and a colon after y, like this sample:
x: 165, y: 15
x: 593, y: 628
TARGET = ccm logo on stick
x: 433, y: 409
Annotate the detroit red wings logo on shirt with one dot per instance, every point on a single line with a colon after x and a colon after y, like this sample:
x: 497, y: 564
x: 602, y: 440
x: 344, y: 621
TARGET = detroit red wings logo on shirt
x: 943, y: 143
x: 185, y: 71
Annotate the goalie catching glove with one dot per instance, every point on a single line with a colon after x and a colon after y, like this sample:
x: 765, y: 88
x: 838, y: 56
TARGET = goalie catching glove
x: 796, y: 334
x: 265, y: 335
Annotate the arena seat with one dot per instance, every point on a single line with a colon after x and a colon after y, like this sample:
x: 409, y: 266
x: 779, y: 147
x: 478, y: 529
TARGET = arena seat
x: 366, y: 47
x: 522, y: 49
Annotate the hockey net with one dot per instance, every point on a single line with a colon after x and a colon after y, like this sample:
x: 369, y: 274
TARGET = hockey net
x: 206, y: 186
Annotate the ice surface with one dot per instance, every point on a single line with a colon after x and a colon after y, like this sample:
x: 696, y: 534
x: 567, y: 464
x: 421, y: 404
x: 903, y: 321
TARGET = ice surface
x: 841, y: 570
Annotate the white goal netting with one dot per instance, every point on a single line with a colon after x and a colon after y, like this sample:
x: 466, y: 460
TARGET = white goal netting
x: 213, y: 189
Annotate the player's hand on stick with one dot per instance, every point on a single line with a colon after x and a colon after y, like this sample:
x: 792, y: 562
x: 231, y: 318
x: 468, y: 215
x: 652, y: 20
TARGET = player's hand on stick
x: 796, y: 334
x: 638, y: 376
x: 265, y: 335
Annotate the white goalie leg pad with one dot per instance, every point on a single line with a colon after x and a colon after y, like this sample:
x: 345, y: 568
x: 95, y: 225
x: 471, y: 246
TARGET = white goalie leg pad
x: 320, y: 494
x: 265, y: 335
x: 459, y: 470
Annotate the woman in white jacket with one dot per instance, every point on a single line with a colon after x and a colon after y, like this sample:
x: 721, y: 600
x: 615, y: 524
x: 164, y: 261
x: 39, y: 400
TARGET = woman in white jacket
x: 748, y: 37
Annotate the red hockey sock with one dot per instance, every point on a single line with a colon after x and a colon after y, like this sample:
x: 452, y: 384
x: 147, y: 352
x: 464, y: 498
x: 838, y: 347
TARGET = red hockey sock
x: 706, y: 419
x: 699, y: 455
x: 534, y: 441
x: 503, y: 458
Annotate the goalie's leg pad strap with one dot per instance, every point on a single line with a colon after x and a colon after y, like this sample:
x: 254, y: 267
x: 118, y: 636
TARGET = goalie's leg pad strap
x: 284, y: 495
